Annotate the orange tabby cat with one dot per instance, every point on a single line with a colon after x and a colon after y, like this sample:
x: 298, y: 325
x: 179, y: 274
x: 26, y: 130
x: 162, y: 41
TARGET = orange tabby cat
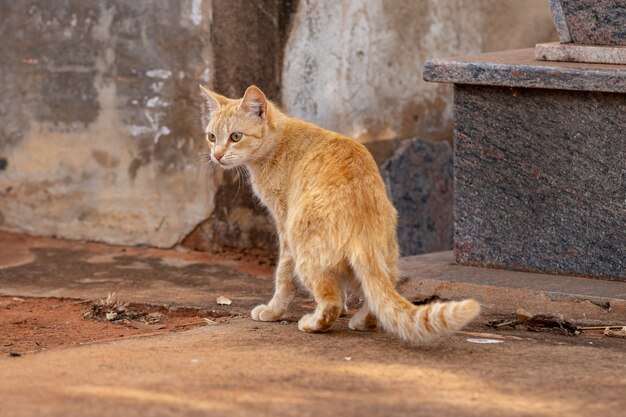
x: 336, y: 226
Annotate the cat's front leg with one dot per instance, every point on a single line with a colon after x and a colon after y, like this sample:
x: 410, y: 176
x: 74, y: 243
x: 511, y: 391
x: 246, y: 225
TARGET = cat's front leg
x: 283, y: 294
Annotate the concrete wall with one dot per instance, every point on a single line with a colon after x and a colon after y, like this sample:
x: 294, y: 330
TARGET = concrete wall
x: 95, y: 105
x: 356, y: 66
x: 99, y: 106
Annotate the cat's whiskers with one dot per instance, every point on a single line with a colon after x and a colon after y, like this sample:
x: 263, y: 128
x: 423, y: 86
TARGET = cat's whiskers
x: 205, y: 165
x: 198, y: 158
x: 238, y: 169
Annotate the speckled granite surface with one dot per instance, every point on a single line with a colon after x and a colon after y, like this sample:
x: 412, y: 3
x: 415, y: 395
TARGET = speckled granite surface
x: 540, y: 180
x: 571, y: 52
x: 592, y: 22
x: 519, y: 68
x: 419, y: 181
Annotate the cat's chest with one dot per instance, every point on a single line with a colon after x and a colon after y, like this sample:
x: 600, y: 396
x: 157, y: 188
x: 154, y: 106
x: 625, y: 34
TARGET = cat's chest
x: 272, y: 194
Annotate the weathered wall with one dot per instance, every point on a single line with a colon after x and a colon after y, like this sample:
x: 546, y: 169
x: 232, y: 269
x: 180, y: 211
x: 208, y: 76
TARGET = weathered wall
x: 248, y: 40
x: 99, y: 108
x: 99, y: 115
x: 356, y: 66
x: 95, y: 118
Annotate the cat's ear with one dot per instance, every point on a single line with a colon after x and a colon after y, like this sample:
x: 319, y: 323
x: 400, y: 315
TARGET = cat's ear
x: 213, y: 100
x: 254, y: 102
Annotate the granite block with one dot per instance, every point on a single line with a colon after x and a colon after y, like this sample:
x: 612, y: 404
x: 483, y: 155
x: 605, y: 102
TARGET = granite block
x: 419, y: 180
x: 540, y: 180
x: 519, y: 68
x: 590, y: 22
x: 555, y: 51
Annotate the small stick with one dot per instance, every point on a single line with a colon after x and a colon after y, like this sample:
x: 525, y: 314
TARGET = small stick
x: 600, y: 327
x: 195, y: 323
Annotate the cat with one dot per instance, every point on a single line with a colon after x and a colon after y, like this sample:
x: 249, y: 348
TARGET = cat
x: 335, y: 223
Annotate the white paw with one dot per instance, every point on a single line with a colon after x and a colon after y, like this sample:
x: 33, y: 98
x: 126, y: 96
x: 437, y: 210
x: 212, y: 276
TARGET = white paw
x: 264, y: 312
x: 363, y: 323
x: 353, y: 324
x: 308, y: 323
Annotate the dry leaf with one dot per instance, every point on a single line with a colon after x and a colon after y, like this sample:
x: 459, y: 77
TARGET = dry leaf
x: 523, y: 315
x: 223, y: 301
x: 615, y: 333
x: 153, y: 318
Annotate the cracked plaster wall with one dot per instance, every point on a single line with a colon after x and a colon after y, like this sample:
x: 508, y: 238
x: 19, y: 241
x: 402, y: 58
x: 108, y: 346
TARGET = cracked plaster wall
x: 97, y: 118
x: 356, y: 66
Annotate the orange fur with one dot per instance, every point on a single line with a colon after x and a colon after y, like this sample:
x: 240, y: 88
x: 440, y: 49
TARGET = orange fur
x: 336, y: 226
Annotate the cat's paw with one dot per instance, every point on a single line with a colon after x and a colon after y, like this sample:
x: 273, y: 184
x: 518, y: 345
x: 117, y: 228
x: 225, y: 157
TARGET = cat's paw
x: 311, y: 323
x: 308, y: 323
x: 264, y: 312
x: 363, y: 323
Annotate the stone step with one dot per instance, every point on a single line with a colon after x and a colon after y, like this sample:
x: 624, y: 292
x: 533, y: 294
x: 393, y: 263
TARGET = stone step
x: 582, y: 300
x: 519, y: 68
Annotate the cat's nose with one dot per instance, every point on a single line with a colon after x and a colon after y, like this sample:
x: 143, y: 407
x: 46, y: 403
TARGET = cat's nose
x: 218, y: 156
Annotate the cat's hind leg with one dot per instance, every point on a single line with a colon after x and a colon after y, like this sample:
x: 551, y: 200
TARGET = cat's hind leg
x: 349, y: 284
x: 329, y: 297
x: 364, y: 320
x: 345, y: 297
x: 284, y: 293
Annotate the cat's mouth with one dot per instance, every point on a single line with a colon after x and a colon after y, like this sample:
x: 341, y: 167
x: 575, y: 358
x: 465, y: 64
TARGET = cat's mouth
x: 225, y: 165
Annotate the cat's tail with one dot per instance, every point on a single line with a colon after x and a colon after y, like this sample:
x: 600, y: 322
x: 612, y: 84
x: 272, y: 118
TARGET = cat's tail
x: 396, y: 314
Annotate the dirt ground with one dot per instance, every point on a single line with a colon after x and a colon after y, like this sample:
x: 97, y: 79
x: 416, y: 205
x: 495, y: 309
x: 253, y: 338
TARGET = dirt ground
x: 35, y: 324
x: 31, y: 325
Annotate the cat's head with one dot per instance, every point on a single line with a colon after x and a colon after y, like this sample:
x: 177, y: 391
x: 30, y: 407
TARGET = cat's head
x: 239, y: 131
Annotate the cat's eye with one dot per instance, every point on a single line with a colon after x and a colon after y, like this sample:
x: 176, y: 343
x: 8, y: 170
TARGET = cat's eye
x: 210, y: 137
x: 236, y: 136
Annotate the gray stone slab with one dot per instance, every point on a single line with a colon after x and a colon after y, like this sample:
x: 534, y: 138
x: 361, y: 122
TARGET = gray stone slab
x: 555, y: 51
x: 540, y: 180
x: 419, y: 181
x: 519, y: 68
x: 592, y: 22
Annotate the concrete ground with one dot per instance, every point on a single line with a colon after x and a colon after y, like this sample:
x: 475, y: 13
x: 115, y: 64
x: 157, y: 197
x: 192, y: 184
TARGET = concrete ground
x: 242, y: 368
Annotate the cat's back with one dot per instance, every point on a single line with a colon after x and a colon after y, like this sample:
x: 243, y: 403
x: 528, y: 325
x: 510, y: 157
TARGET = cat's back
x: 328, y: 153
x: 336, y: 182
x: 330, y: 163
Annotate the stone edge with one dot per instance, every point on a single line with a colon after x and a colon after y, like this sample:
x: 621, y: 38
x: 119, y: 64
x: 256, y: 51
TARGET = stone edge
x: 469, y: 70
x: 555, y: 51
x: 504, y: 301
x: 582, y: 309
